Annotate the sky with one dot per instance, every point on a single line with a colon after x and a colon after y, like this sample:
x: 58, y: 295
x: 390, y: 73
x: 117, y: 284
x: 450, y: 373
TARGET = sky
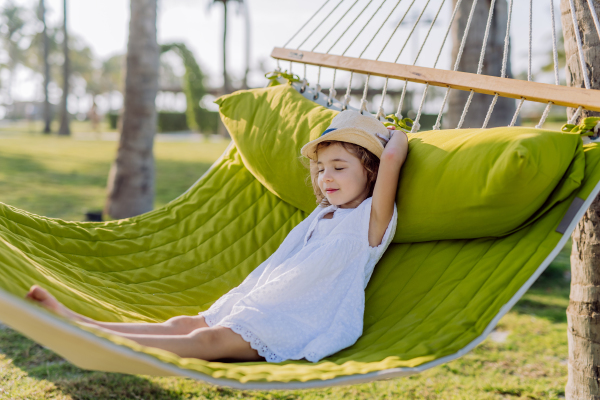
x: 103, y: 25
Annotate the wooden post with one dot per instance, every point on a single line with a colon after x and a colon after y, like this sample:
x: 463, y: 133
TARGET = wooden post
x: 583, y: 314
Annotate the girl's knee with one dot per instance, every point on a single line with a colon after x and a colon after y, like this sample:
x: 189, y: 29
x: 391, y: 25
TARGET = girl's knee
x: 186, y: 323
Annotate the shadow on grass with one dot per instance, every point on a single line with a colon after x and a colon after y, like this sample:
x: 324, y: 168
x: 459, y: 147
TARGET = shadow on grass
x: 41, y: 363
x: 41, y: 188
x: 549, y: 296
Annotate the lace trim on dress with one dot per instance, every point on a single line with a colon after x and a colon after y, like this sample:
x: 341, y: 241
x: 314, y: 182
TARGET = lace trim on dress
x: 256, y: 343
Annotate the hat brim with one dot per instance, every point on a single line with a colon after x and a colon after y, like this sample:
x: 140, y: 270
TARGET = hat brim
x: 350, y: 135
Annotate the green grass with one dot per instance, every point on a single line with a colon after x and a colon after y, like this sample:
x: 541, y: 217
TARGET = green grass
x: 62, y: 177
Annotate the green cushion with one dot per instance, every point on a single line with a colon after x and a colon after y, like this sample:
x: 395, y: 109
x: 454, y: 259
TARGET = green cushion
x: 456, y: 184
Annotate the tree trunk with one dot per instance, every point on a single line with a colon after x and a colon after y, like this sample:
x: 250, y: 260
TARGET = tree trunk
x: 46, y: 53
x: 583, y: 314
x: 248, y: 32
x: 64, y: 112
x: 226, y: 87
x: 492, y: 64
x: 131, y: 179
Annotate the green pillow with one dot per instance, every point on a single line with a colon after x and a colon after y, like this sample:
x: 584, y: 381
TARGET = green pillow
x: 455, y: 184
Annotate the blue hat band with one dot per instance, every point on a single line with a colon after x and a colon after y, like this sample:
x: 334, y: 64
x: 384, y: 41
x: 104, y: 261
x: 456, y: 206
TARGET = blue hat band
x: 328, y: 130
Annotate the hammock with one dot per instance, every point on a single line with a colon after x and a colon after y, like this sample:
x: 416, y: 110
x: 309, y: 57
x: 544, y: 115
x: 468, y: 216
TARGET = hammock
x: 427, y: 303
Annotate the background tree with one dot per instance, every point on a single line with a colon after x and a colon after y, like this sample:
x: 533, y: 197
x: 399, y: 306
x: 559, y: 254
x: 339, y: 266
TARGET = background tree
x: 111, y: 77
x: 193, y: 85
x: 65, y: 129
x: 45, y: 55
x: 226, y: 81
x: 12, y: 30
x: 584, y: 306
x: 492, y: 65
x: 131, y: 178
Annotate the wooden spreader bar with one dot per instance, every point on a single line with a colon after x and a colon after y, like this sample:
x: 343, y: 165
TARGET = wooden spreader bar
x: 505, y: 87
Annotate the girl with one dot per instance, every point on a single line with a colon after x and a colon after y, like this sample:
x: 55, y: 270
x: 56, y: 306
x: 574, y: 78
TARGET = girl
x: 307, y: 299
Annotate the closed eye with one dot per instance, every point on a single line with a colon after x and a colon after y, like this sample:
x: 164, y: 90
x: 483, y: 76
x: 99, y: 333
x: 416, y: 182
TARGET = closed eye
x: 337, y: 169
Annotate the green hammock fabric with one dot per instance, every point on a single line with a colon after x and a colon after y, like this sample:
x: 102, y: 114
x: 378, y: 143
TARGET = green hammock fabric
x: 426, y: 303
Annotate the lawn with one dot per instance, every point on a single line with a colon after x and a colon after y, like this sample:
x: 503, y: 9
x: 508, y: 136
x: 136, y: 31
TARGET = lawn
x: 525, y: 358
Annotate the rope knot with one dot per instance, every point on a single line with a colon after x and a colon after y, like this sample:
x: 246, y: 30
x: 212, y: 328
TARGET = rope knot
x: 363, y: 105
x: 416, y: 126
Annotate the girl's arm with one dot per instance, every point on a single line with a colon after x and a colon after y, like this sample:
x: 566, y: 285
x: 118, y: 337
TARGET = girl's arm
x: 386, y: 186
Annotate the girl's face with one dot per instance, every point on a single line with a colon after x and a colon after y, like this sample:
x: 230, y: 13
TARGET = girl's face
x: 341, y: 176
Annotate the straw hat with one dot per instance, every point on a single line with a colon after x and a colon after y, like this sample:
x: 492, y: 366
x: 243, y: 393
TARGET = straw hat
x: 351, y: 127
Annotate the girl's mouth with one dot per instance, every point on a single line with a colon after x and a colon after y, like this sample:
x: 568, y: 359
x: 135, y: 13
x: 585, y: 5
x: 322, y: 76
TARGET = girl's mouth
x: 332, y: 190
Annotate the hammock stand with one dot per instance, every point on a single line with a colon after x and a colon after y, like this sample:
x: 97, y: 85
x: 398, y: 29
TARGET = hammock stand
x: 90, y: 349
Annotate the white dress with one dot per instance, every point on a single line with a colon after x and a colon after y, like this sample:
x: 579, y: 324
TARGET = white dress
x: 307, y: 300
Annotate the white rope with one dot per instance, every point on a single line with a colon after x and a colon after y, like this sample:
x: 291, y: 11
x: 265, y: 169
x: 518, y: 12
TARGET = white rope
x: 416, y: 126
x: 464, y: 38
x: 447, y: 31
x: 416, y: 122
x: 380, y: 27
x: 485, y: 37
x: 363, y: 101
x: 586, y: 79
x: 438, y: 122
x: 412, y: 30
x: 429, y: 31
x: 489, y: 113
x: 306, y: 23
x: 318, y: 85
x: 352, y: 23
x: 514, y: 119
x: 507, y: 40
x: 504, y: 64
x: 594, y: 16
x: 321, y: 23
x: 464, y: 113
x: 401, y: 103
x: 575, y: 116
x: 332, y: 91
x: 554, y: 50
x: 381, y: 112
x: 439, y: 118
x: 518, y: 110
x: 480, y: 65
x: 349, y: 88
x: 395, y: 29
x: 544, y: 115
x: 334, y: 25
x: 458, y: 57
x: 348, y: 91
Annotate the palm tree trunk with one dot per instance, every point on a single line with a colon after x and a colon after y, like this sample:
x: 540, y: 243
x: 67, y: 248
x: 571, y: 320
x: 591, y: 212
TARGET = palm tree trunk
x: 131, y: 179
x: 505, y: 108
x: 64, y: 112
x: 247, y: 43
x: 225, y: 77
x: 46, y: 50
x: 584, y: 306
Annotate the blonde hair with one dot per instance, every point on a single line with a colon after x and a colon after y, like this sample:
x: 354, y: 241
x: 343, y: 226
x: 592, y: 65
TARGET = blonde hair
x: 369, y: 161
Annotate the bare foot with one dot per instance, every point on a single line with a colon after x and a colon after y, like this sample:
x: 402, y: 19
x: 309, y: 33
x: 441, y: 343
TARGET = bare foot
x: 46, y: 300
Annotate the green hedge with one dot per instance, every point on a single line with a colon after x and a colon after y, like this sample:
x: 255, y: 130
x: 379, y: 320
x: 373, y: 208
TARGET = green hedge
x: 171, y: 122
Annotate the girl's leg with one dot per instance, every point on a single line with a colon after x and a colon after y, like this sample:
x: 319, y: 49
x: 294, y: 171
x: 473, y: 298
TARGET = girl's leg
x: 208, y: 344
x: 181, y: 325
